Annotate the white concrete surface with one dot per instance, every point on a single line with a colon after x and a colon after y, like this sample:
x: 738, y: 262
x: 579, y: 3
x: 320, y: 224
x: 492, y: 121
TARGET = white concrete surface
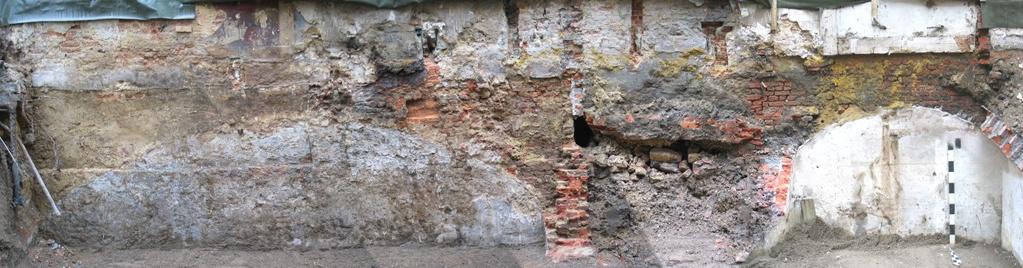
x: 1012, y: 215
x: 1006, y: 39
x: 906, y: 26
x: 798, y: 33
x: 886, y: 174
x: 910, y: 26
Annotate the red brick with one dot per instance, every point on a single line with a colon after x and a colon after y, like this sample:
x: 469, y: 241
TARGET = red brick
x: 690, y: 122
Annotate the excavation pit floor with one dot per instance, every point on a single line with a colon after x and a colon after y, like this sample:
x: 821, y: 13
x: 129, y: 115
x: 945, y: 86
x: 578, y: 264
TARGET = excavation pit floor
x: 818, y: 245
x: 396, y: 256
x: 978, y: 255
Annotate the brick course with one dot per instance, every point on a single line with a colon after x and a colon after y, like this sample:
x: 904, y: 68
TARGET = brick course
x: 567, y: 225
x: 873, y: 81
x: 1009, y: 141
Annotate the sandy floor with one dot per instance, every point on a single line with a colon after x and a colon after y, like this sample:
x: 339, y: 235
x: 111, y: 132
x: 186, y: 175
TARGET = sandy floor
x: 910, y: 256
x: 411, y: 256
x: 913, y: 256
x: 817, y: 245
x: 824, y: 254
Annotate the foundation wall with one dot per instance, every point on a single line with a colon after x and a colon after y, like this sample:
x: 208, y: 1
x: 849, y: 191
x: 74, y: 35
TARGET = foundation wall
x: 890, y: 176
x: 319, y: 124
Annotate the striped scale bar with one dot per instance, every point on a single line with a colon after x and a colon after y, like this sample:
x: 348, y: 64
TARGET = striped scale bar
x: 952, y: 201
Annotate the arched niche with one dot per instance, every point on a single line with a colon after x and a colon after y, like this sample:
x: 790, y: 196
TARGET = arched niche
x: 887, y: 174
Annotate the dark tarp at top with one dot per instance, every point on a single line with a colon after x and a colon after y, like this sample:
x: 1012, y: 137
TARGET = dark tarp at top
x: 25, y: 11
x: 376, y: 3
x: 812, y: 4
x: 1002, y: 14
x: 995, y: 13
x: 386, y: 3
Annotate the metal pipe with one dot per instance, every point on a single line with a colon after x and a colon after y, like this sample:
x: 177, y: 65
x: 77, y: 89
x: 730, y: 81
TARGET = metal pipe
x: 15, y: 176
x: 774, y: 16
x: 35, y: 171
x: 16, y: 170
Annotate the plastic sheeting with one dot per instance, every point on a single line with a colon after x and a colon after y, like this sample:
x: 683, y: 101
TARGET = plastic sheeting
x: 376, y: 3
x: 1002, y: 13
x: 812, y: 4
x: 25, y: 11
x: 387, y: 3
x: 995, y: 13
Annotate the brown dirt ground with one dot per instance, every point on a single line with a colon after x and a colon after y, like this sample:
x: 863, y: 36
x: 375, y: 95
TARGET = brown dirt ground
x: 808, y: 245
x: 394, y: 256
x: 916, y: 252
x: 816, y: 245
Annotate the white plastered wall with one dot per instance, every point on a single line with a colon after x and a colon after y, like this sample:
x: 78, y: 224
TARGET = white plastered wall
x: 1012, y: 215
x: 903, y: 26
x: 886, y: 174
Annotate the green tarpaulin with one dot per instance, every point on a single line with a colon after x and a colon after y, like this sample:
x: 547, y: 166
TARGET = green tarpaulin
x: 376, y: 3
x: 1002, y: 14
x: 25, y: 11
x: 995, y: 13
x: 812, y: 4
x: 386, y: 3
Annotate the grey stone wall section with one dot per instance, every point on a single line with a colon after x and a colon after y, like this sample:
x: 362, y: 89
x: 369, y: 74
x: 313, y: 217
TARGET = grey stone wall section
x: 360, y: 185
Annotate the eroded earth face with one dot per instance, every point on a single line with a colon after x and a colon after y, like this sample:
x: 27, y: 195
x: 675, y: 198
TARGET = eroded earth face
x: 621, y: 133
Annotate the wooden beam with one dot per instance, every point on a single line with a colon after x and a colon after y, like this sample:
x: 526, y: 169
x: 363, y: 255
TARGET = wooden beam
x: 873, y: 9
x: 774, y: 15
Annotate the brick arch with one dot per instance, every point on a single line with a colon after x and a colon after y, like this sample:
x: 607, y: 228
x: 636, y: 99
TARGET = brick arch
x: 1010, y: 142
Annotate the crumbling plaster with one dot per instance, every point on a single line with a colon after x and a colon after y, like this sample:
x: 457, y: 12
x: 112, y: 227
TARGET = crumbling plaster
x: 443, y: 122
x: 943, y: 27
x: 892, y: 177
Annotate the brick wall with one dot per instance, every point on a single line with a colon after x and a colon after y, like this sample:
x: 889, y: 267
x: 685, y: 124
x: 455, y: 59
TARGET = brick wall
x: 1009, y: 141
x: 769, y: 100
x: 867, y: 82
x: 775, y: 177
x: 568, y: 233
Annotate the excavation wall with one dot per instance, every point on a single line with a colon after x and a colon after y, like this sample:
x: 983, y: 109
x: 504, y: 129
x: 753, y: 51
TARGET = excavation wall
x: 652, y: 131
x: 299, y: 125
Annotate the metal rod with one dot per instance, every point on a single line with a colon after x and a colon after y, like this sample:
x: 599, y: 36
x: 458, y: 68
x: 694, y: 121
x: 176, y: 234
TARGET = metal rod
x: 8, y: 149
x: 35, y: 171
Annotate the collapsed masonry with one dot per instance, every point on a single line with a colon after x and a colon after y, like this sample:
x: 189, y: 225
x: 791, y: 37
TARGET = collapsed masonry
x: 323, y: 125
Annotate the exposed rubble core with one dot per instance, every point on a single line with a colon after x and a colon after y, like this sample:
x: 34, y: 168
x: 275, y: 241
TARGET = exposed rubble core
x: 658, y: 206
x: 615, y: 132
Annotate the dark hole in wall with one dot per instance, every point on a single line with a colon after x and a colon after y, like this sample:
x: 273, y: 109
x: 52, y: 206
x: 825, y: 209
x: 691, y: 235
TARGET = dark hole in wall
x: 716, y: 33
x: 582, y: 133
x: 683, y: 148
x: 511, y: 14
x: 432, y: 44
x: 429, y: 38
